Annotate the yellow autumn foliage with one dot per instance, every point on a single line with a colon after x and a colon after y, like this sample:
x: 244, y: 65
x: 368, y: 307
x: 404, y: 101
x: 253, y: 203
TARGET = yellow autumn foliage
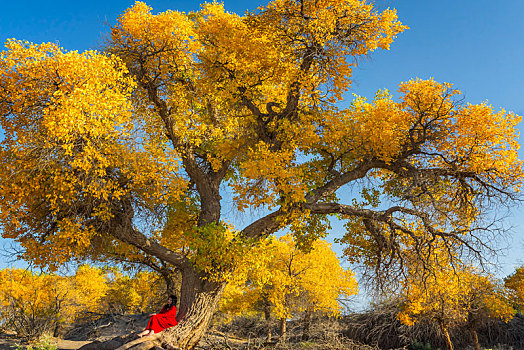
x: 452, y: 295
x: 515, y: 284
x: 136, y: 151
x: 65, y: 142
x: 33, y: 304
x: 291, y: 280
x: 89, y: 135
x: 142, y: 292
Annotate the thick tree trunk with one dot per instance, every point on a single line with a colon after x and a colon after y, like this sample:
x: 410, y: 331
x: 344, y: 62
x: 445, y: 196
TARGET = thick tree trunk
x: 307, y: 325
x: 283, y: 329
x: 474, y: 338
x: 445, y: 333
x: 198, y: 301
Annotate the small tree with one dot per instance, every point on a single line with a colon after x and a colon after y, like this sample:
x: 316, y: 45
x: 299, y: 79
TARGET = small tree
x: 515, y: 283
x: 136, y: 293
x: 34, y: 304
x: 453, y: 296
x: 292, y: 281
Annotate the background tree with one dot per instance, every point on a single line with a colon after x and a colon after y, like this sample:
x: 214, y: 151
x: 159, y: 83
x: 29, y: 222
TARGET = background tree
x: 452, y: 296
x: 34, y: 304
x: 141, y: 292
x: 515, y: 283
x: 291, y: 282
x: 134, y: 149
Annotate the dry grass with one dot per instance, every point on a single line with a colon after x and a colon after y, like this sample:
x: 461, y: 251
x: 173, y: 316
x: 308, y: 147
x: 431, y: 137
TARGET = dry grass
x: 375, y: 329
x: 250, y: 333
x: 371, y: 330
x: 380, y: 328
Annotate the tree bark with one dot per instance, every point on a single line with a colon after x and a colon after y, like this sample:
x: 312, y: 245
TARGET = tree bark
x: 267, y: 318
x: 144, y: 343
x: 307, y: 325
x: 474, y: 338
x: 198, y: 301
x: 283, y: 329
x: 445, y: 333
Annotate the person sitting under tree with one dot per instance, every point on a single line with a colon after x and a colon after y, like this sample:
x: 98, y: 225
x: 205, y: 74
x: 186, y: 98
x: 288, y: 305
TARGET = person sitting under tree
x: 164, y: 319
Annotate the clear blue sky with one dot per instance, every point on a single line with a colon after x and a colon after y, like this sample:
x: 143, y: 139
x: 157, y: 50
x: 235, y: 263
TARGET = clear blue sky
x: 476, y: 44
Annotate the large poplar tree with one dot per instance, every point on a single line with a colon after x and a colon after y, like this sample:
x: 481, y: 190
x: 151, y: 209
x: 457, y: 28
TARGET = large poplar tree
x: 130, y: 152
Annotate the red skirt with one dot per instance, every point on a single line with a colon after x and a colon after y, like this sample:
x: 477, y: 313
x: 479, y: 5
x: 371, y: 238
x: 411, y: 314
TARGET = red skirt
x: 164, y: 319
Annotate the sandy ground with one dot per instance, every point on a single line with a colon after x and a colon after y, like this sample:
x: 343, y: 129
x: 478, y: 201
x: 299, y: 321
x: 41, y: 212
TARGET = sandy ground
x: 101, y: 329
x: 6, y: 344
x: 71, y: 344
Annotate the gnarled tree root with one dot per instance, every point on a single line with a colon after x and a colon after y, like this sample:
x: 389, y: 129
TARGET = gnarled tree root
x: 129, y: 342
x: 144, y: 343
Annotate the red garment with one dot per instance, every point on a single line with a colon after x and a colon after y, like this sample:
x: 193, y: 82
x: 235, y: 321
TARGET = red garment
x: 164, y: 319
